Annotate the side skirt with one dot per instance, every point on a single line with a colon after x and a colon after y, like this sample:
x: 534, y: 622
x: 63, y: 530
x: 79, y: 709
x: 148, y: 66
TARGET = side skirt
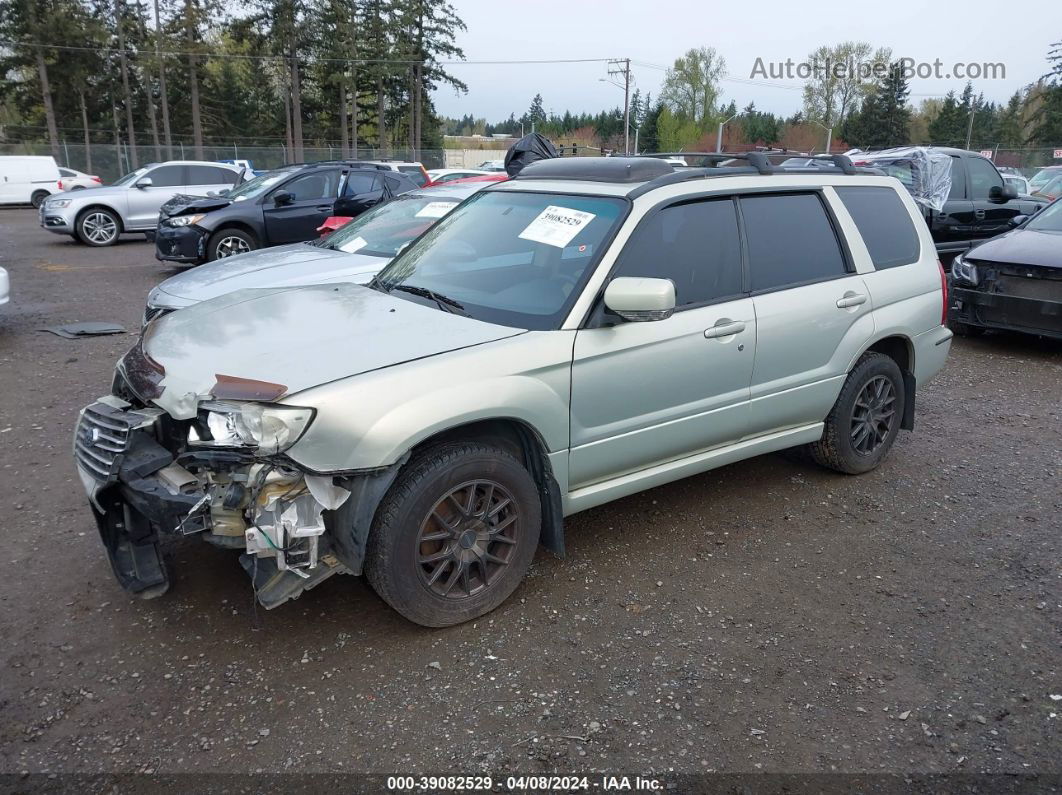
x: 625, y: 485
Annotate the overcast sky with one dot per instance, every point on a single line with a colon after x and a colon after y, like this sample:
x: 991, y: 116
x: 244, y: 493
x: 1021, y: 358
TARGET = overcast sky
x: 659, y: 31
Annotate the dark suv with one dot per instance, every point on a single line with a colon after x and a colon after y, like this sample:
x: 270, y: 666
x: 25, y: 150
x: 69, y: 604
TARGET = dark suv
x: 282, y: 206
x: 977, y: 205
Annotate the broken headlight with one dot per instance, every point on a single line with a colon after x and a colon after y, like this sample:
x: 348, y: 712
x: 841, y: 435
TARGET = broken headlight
x: 964, y: 272
x: 185, y: 220
x: 266, y: 428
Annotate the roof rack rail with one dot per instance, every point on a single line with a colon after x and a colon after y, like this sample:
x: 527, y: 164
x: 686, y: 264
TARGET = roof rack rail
x: 758, y: 160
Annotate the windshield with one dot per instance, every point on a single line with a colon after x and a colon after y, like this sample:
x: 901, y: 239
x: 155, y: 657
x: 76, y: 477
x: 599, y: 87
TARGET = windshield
x: 514, y: 258
x: 132, y: 176
x: 1043, y: 177
x: 383, y: 230
x: 1048, y: 219
x: 257, y: 186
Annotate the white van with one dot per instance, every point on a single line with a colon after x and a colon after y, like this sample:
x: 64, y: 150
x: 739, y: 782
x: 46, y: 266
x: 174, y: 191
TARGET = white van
x: 26, y: 179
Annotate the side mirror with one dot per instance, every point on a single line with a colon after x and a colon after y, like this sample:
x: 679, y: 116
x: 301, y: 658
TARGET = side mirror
x: 282, y: 198
x: 1018, y: 220
x: 144, y: 182
x: 1002, y: 193
x: 641, y: 299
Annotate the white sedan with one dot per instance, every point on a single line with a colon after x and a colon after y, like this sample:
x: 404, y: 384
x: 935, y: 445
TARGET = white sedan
x: 69, y: 179
x: 438, y: 176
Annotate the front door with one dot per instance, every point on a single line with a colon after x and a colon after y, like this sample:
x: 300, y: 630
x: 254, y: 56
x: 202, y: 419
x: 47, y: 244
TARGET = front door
x: 312, y: 198
x: 144, y: 203
x: 649, y: 392
x: 813, y: 313
x: 992, y: 215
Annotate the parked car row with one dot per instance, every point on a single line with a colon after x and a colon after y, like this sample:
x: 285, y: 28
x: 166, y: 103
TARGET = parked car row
x: 531, y: 348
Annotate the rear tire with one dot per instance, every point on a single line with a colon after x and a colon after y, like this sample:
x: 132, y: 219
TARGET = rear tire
x: 228, y: 243
x: 863, y: 423
x: 455, y: 534
x: 38, y: 197
x: 98, y: 226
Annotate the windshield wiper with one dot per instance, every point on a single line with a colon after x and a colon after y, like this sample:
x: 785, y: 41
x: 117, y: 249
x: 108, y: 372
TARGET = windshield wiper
x: 449, y: 304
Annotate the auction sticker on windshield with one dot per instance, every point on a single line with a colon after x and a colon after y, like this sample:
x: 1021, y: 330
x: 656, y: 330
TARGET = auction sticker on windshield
x: 355, y: 244
x: 556, y: 226
x: 435, y: 209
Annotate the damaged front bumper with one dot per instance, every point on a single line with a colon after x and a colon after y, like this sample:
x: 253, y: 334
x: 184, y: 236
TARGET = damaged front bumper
x: 1035, y: 307
x: 294, y: 528
x: 180, y: 244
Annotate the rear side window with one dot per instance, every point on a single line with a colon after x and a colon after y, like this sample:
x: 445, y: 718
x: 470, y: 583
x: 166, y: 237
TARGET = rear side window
x: 696, y: 245
x: 415, y: 173
x: 210, y: 175
x: 361, y: 182
x: 884, y: 223
x: 791, y: 241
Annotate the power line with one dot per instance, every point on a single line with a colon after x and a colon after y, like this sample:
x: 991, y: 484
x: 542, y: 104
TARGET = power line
x: 240, y: 56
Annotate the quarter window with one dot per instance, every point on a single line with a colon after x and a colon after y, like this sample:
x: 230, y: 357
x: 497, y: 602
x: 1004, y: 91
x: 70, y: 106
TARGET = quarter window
x: 884, y: 224
x: 695, y: 245
x: 790, y: 241
x: 210, y: 175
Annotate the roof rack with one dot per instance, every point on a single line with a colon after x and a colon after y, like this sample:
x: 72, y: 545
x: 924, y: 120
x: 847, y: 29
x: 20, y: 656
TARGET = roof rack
x: 758, y: 160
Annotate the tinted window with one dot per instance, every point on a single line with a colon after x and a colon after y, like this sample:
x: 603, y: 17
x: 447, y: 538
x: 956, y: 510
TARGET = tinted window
x: 696, y: 245
x: 361, y: 182
x: 958, y: 179
x: 983, y: 177
x: 167, y: 176
x: 315, y: 185
x: 790, y: 240
x: 415, y: 173
x: 210, y: 175
x: 884, y: 223
x: 66, y: 172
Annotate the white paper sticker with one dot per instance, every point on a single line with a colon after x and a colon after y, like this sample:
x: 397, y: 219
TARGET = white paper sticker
x: 556, y: 226
x: 435, y: 209
x: 354, y: 245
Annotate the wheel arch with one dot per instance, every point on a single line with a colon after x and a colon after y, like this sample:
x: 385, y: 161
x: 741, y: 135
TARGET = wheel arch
x: 100, y: 206
x: 900, y: 348
x: 239, y: 225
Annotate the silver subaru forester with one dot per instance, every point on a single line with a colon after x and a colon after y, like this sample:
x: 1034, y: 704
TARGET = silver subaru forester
x: 590, y: 329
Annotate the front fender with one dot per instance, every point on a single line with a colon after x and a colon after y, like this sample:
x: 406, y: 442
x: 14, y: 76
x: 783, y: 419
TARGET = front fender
x: 372, y: 420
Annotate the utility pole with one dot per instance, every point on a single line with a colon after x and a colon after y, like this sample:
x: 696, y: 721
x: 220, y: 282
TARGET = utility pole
x: 618, y: 68
x: 969, y: 125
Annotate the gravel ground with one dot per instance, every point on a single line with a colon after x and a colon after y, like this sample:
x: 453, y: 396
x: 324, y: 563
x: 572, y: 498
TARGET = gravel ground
x: 766, y: 616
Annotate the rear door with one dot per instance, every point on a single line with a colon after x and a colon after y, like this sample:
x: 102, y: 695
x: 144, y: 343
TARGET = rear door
x: 813, y: 312
x: 144, y: 203
x: 956, y: 222
x: 313, y: 196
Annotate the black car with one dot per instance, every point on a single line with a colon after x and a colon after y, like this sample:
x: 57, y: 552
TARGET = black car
x: 282, y: 206
x: 974, y: 201
x: 1013, y: 281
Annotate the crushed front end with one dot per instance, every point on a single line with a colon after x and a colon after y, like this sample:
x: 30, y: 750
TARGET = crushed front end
x: 219, y: 474
x: 1008, y: 296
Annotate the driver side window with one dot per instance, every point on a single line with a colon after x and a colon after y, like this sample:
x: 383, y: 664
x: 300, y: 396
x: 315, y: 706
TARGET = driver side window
x: 983, y: 177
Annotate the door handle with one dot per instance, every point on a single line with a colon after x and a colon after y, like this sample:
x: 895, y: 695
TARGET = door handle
x: 850, y: 300
x: 979, y: 214
x: 724, y: 328
x: 324, y: 208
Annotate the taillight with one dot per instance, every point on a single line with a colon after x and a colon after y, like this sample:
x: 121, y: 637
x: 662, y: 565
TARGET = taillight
x: 943, y: 294
x: 60, y: 184
x: 97, y: 179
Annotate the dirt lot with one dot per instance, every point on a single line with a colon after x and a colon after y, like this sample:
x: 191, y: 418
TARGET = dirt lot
x: 763, y: 617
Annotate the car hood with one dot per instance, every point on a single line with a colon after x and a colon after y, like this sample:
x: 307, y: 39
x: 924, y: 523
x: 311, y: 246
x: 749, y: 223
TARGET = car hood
x: 184, y: 203
x: 1021, y: 247
x: 299, y: 338
x: 294, y: 265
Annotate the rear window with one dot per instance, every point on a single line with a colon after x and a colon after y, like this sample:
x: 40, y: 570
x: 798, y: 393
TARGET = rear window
x: 884, y: 223
x: 415, y: 173
x: 790, y: 241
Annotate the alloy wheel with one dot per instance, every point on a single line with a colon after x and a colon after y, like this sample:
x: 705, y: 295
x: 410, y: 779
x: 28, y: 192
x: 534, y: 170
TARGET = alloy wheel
x: 99, y: 228
x: 873, y: 414
x: 230, y: 246
x: 467, y: 538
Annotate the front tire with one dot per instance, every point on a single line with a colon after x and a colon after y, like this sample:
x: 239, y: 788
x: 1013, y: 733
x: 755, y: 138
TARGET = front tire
x: 98, y: 226
x: 38, y: 197
x: 863, y: 423
x: 228, y: 243
x: 455, y: 535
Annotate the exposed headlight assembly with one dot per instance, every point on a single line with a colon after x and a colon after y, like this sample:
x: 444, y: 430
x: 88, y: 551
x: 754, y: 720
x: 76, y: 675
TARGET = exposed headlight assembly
x: 185, y: 220
x: 57, y: 204
x: 963, y: 271
x: 263, y: 427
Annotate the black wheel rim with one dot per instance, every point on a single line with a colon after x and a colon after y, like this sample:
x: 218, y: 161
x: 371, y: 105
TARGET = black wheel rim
x: 467, y: 538
x: 873, y: 415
